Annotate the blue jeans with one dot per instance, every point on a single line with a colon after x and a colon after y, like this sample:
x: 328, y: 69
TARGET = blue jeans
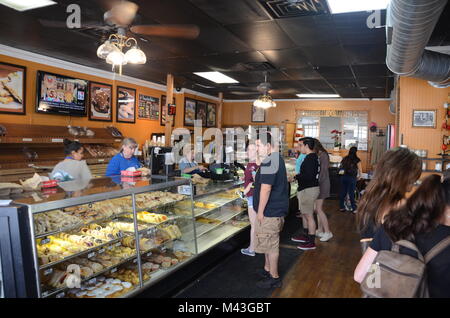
x: 348, y: 186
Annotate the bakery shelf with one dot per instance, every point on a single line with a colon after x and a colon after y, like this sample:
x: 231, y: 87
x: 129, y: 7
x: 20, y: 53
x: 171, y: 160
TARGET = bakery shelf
x: 219, y: 205
x: 217, y: 236
x: 94, y: 250
x: 203, y: 228
x: 47, y: 294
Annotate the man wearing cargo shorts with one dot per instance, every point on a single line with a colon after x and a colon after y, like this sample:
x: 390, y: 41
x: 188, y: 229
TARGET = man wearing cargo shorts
x: 271, y: 202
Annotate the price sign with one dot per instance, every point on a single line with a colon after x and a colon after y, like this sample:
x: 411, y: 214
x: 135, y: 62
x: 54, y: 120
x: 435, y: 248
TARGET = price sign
x: 27, y: 139
x: 114, y: 270
x: 48, y: 271
x: 135, y: 261
x: 61, y: 295
x: 101, y: 251
x: 110, y: 247
x: 92, y: 281
x: 45, y: 294
x: 57, y: 140
x: 149, y: 254
x: 185, y: 189
x: 118, y: 244
x: 90, y: 255
x: 45, y: 241
x: 101, y: 160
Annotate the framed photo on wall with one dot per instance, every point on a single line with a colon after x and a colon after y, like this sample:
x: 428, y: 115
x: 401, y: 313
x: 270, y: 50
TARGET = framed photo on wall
x: 201, y: 112
x: 126, y: 105
x: 12, y: 88
x: 148, y: 107
x: 211, y: 115
x: 100, y: 101
x: 189, y: 111
x: 163, y: 112
x: 258, y: 114
x: 424, y: 118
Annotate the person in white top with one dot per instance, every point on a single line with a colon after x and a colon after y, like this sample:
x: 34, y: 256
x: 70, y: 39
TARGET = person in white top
x: 72, y: 167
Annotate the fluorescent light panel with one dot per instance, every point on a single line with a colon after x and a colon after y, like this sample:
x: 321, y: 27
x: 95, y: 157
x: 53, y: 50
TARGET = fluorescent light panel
x: 216, y: 77
x: 318, y: 95
x: 342, y: 6
x: 23, y: 5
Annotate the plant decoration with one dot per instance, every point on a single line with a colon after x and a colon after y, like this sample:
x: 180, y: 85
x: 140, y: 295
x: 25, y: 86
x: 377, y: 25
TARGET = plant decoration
x: 337, y: 138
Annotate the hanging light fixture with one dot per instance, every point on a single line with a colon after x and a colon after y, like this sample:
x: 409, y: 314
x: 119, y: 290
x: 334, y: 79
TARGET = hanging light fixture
x: 112, y: 51
x: 264, y: 101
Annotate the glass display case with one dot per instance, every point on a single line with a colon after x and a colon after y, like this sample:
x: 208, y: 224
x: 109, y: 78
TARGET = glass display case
x: 115, y: 238
x: 290, y: 169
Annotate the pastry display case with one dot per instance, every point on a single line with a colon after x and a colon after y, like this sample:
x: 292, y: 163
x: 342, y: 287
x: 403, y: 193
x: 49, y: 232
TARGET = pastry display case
x: 220, y: 212
x: 290, y: 168
x: 113, y: 238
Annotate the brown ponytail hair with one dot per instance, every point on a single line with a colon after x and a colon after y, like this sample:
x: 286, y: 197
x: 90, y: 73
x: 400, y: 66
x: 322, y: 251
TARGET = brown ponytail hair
x: 422, y: 212
x: 395, y: 173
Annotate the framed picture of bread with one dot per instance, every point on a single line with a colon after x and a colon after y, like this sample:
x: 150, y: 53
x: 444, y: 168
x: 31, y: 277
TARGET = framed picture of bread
x: 200, y: 113
x: 211, y: 115
x: 163, y: 112
x: 126, y: 105
x: 100, y: 101
x: 189, y: 111
x: 12, y: 88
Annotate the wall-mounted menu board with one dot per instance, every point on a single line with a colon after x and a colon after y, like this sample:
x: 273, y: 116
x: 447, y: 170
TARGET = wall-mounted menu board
x: 148, y: 107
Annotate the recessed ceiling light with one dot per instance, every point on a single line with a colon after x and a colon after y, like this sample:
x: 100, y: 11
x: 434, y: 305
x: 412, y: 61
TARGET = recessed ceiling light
x: 23, y: 5
x: 342, y: 6
x: 318, y: 95
x: 216, y: 77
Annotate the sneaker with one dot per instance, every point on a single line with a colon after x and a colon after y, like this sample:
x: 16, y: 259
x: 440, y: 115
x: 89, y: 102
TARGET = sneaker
x: 319, y: 234
x: 326, y: 236
x: 301, y: 238
x: 307, y: 246
x: 263, y: 273
x: 247, y: 252
x: 269, y: 282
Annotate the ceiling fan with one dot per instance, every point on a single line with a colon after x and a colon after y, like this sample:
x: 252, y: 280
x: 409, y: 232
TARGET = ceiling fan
x: 119, y: 17
x: 263, y: 88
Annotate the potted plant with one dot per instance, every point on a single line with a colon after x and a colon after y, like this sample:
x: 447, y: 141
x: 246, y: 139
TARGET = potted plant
x: 337, y: 138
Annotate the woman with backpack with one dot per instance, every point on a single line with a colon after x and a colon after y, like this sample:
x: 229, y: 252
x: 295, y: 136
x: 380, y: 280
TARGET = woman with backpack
x: 351, y: 168
x: 423, y: 220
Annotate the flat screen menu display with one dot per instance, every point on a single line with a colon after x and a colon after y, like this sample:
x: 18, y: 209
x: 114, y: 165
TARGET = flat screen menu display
x: 63, y: 95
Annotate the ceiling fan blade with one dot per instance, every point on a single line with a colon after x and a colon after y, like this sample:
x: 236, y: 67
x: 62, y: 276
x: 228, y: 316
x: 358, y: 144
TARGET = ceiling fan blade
x: 120, y: 13
x: 242, y: 93
x: 284, y: 91
x: 63, y: 25
x: 185, y: 31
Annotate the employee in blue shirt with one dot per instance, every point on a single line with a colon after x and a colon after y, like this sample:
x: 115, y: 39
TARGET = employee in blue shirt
x: 125, y: 159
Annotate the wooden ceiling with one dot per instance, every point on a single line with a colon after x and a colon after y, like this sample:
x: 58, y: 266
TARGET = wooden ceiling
x: 311, y: 52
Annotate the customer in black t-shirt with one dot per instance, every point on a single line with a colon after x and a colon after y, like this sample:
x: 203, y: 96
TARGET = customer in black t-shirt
x: 424, y: 220
x: 308, y: 192
x: 271, y: 202
x: 351, y: 167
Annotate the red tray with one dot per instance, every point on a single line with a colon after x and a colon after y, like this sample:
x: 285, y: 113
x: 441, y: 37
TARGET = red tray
x: 49, y: 184
x: 131, y: 173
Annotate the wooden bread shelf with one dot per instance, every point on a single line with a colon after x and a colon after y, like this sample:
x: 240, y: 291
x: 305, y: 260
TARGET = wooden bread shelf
x: 44, y: 134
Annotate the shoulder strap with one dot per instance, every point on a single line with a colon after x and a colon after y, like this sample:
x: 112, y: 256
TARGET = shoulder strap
x: 407, y: 244
x: 437, y: 249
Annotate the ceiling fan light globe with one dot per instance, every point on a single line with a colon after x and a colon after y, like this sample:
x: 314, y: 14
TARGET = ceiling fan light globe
x: 135, y: 56
x: 116, y: 58
x: 104, y: 49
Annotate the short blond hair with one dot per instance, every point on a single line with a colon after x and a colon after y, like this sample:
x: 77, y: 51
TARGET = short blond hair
x: 128, y: 142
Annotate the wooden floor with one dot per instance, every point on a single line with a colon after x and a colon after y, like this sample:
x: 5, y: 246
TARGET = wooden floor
x: 327, y: 271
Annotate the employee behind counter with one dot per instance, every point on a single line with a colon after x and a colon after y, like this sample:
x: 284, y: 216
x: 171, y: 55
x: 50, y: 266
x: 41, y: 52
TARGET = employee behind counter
x: 125, y: 159
x: 188, y: 165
